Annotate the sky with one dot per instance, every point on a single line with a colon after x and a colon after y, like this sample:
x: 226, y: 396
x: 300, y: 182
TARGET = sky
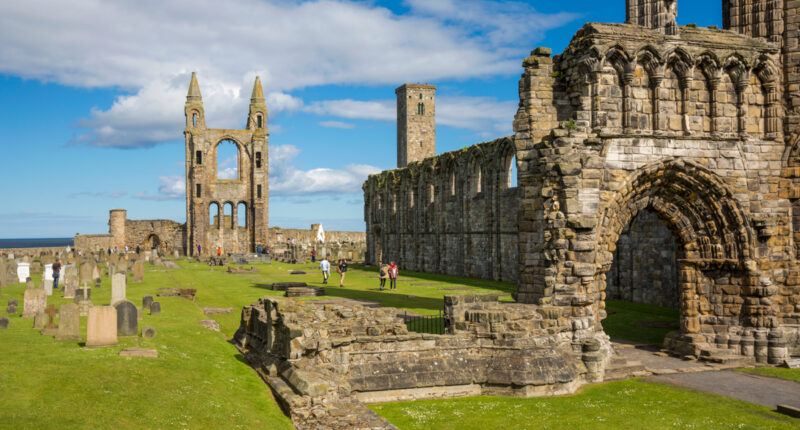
x: 92, y: 95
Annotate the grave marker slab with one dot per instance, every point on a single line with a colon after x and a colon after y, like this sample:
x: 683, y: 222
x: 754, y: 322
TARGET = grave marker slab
x: 48, y: 287
x: 118, y: 287
x: 13, y: 301
x: 155, y: 308
x: 127, y: 318
x: 138, y: 271
x: 4, y: 323
x: 34, y: 301
x: 39, y: 320
x: 149, y: 332
x: 11, y: 309
x: 50, y: 328
x: 86, y: 273
x: 146, y: 301
x: 48, y: 272
x: 23, y: 271
x: 101, y: 327
x: 69, y: 322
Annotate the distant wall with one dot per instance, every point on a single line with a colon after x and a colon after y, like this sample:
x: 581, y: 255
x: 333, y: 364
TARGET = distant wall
x: 93, y: 242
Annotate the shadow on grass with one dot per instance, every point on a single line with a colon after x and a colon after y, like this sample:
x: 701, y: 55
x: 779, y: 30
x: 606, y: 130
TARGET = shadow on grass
x: 397, y: 300
x: 505, y: 287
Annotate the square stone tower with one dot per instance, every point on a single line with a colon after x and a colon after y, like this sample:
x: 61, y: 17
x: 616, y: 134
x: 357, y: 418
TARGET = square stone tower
x: 416, y: 123
x: 206, y: 188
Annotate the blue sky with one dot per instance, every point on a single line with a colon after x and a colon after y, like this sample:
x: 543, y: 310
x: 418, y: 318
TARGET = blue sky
x: 91, y: 95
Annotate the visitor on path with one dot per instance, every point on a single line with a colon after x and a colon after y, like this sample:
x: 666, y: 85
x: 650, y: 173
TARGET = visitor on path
x: 383, y: 274
x: 325, y: 266
x: 219, y: 251
x: 56, y: 273
x: 342, y: 270
x: 313, y: 255
x: 393, y: 271
x: 258, y: 250
x: 139, y: 249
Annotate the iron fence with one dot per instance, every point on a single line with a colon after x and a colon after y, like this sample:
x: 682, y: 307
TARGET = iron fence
x: 431, y: 324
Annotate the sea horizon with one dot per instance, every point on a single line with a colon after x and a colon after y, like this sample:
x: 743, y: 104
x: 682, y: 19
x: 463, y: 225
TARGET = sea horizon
x: 36, y: 242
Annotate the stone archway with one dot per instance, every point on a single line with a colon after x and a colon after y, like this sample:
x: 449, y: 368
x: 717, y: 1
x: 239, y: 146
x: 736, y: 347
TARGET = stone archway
x: 715, y: 250
x: 152, y: 242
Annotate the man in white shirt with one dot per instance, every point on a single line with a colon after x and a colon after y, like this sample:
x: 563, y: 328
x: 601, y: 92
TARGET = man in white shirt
x: 325, y: 266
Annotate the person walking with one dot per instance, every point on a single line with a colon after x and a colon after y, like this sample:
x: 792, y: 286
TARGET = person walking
x: 313, y: 255
x: 219, y: 251
x: 56, y: 273
x: 342, y: 271
x: 383, y: 273
x: 325, y: 266
x: 393, y: 272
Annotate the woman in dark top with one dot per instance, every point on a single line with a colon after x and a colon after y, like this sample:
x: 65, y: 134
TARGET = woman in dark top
x: 342, y: 271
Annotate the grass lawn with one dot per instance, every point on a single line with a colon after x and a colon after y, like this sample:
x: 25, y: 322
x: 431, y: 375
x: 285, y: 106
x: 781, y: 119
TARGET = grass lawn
x: 629, y: 404
x: 776, y: 372
x: 623, y: 318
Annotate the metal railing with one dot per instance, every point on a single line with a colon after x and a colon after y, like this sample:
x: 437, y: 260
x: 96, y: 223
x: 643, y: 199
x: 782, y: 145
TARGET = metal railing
x: 431, y: 324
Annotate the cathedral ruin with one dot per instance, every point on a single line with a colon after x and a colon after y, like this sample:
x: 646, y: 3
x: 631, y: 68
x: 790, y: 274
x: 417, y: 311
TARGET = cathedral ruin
x: 656, y: 163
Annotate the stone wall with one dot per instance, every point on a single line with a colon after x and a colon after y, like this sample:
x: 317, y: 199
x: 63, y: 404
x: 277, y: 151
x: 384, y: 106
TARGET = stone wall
x: 644, y: 268
x: 164, y: 235
x: 93, y: 242
x: 316, y: 356
x: 455, y: 213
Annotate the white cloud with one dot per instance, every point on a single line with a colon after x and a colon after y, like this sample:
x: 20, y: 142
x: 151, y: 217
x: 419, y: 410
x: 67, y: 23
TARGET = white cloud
x: 482, y: 114
x: 149, y: 48
x: 287, y: 180
x: 170, y: 188
x: 337, y: 124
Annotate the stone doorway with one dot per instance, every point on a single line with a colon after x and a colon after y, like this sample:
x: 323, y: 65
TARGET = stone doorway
x: 153, y: 242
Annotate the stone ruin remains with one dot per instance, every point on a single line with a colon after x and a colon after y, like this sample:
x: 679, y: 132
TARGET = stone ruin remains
x: 638, y: 135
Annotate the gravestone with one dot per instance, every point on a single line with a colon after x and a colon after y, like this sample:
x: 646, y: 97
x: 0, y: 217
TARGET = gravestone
x: 48, y: 287
x: 149, y: 332
x: 138, y: 271
x: 70, y: 278
x: 36, y: 267
x: 155, y: 308
x: 139, y: 313
x: 118, y: 287
x: 127, y: 318
x: 39, y: 320
x: 96, y: 273
x: 3, y: 269
x: 11, y: 309
x: 34, y: 301
x: 29, y: 283
x: 69, y: 322
x: 48, y: 272
x: 23, y: 271
x: 13, y: 301
x: 101, y: 326
x: 86, y: 273
x: 4, y: 323
x: 146, y: 301
x: 82, y: 293
x: 50, y: 328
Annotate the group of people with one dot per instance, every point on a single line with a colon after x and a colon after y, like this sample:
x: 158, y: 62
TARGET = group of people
x: 388, y: 271
x: 341, y: 268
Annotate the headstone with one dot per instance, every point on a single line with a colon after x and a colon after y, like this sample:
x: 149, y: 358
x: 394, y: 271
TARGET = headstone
x: 48, y: 287
x: 70, y: 278
x: 23, y: 271
x: 118, y: 287
x: 11, y: 309
x: 4, y: 323
x: 50, y: 328
x: 34, y: 301
x: 127, y: 319
x: 48, y: 272
x: 155, y: 308
x: 36, y: 267
x: 11, y: 256
x: 793, y: 363
x: 13, y: 301
x: 146, y: 301
x: 138, y: 271
x: 96, y: 273
x: 86, y: 273
x: 82, y: 293
x: 139, y: 313
x: 39, y: 320
x: 69, y: 322
x: 29, y: 283
x: 3, y: 277
x: 149, y: 332
x: 101, y: 326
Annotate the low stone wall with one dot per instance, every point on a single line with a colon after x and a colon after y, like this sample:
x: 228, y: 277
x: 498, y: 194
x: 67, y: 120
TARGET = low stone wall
x: 93, y: 242
x: 315, y: 355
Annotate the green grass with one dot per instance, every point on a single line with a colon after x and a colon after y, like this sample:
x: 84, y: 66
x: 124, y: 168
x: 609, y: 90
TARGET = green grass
x: 776, y: 372
x: 629, y: 404
x: 623, y: 317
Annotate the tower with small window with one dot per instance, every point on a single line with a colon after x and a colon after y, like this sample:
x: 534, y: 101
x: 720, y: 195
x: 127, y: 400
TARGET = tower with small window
x: 227, y: 188
x: 416, y: 123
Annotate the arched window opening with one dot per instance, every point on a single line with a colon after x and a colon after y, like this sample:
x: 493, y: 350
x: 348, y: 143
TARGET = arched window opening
x: 199, y: 190
x: 213, y: 214
x: 394, y: 203
x: 258, y: 191
x: 420, y: 109
x: 258, y: 160
x: 476, y: 179
x: 227, y: 212
x: 420, y: 96
x: 511, y: 171
x: 241, y: 215
x: 259, y: 122
x: 198, y: 157
x: 431, y: 193
x: 452, y: 183
x: 194, y: 119
x: 227, y: 160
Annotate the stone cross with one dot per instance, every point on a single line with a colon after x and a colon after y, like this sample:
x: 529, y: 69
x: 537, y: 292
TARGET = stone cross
x: 51, y: 317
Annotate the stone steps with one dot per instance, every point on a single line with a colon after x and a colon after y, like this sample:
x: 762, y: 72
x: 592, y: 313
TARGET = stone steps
x: 725, y: 357
x: 620, y: 368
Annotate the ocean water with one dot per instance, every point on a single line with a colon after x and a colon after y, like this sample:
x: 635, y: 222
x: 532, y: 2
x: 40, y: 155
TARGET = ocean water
x: 36, y: 243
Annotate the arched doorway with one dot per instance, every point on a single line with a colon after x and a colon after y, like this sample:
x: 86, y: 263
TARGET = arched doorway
x: 713, y: 253
x: 152, y: 242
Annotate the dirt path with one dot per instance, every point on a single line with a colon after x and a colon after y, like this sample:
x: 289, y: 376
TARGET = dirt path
x: 745, y: 386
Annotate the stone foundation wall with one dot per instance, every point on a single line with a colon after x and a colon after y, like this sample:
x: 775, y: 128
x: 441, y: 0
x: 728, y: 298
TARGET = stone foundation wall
x: 324, y: 354
x: 455, y: 213
x: 93, y: 242
x: 165, y: 235
x: 645, y: 268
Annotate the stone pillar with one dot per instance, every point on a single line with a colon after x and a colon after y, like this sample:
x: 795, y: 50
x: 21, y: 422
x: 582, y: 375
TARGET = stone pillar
x: 627, y: 97
x: 655, y: 84
x: 713, y: 84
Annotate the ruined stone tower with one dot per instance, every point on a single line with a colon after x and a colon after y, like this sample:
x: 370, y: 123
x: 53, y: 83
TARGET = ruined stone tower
x: 206, y: 190
x: 416, y: 123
